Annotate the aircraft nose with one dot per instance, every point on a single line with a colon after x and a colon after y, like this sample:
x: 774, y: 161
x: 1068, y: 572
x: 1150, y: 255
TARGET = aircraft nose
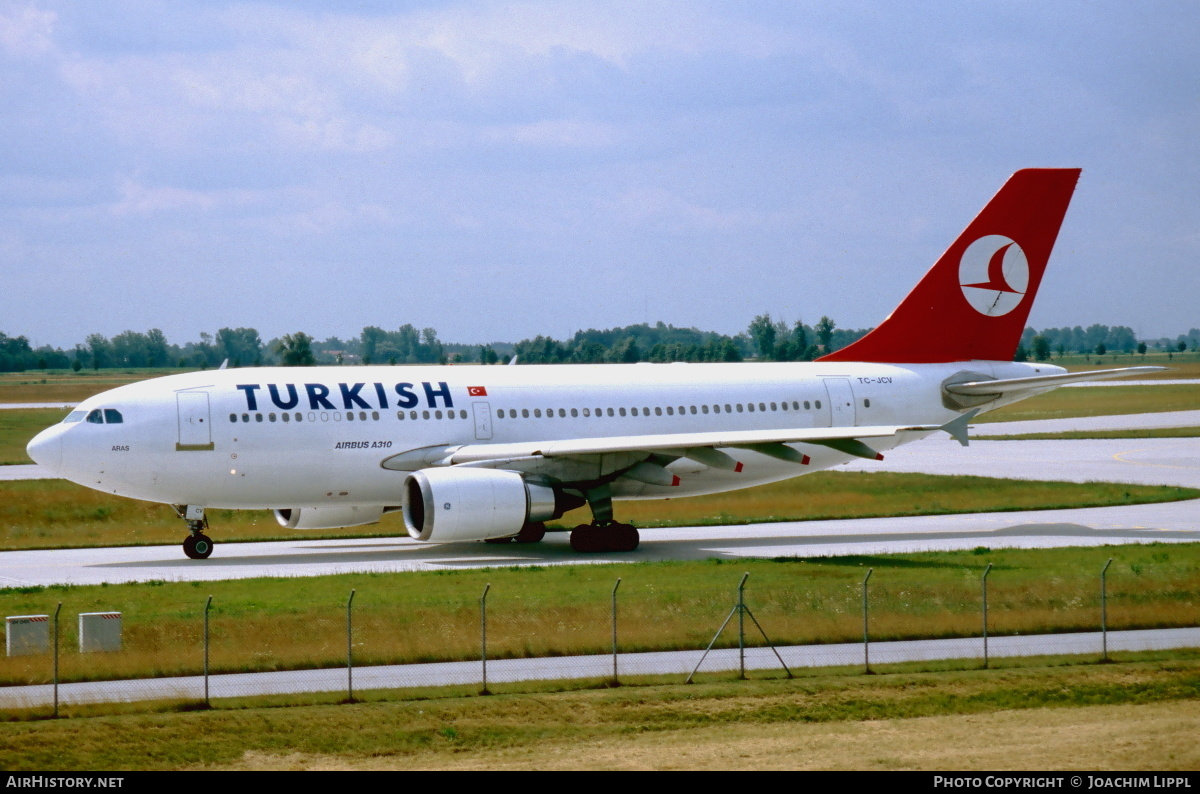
x: 46, y: 448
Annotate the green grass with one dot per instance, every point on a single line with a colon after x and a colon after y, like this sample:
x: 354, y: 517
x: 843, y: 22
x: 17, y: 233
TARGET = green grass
x: 1179, y: 365
x: 1156, y: 432
x: 531, y: 720
x: 17, y: 427
x: 299, y: 623
x: 839, y: 495
x: 68, y: 386
x: 1098, y: 401
x: 59, y: 514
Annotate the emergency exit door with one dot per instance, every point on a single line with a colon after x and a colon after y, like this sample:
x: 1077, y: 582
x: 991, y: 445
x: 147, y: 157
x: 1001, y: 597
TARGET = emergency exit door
x: 842, y: 412
x: 483, y: 421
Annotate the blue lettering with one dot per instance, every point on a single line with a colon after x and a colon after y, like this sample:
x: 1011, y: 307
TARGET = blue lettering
x: 381, y: 394
x: 350, y: 396
x: 293, y: 398
x: 251, y: 400
x: 407, y: 398
x: 431, y: 394
x: 317, y: 395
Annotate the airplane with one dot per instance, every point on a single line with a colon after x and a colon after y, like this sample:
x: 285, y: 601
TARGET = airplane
x: 492, y: 453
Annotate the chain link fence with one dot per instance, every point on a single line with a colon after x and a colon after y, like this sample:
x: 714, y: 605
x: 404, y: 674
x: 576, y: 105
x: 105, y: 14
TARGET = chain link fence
x: 832, y: 615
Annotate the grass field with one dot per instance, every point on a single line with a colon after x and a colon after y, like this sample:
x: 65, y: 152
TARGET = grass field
x: 60, y: 514
x: 290, y: 623
x: 17, y: 427
x: 1178, y: 365
x: 1098, y: 401
x: 1133, y: 715
x: 67, y: 386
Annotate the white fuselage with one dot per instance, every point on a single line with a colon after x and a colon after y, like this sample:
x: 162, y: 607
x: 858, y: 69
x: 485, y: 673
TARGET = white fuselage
x: 267, y: 438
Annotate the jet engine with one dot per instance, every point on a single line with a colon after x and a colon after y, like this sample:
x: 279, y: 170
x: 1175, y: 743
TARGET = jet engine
x: 328, y: 517
x: 476, y: 504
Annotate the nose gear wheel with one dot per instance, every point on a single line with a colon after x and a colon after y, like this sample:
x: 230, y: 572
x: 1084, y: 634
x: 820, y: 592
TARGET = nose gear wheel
x: 198, y: 546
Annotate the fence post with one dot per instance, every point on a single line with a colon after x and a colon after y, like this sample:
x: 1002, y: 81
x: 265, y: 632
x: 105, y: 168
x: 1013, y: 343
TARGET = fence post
x: 56, y: 610
x: 350, y: 649
x: 615, y: 681
x: 741, y: 608
x: 985, y: 622
x: 207, y: 605
x: 866, y: 637
x: 483, y: 636
x: 1104, y: 608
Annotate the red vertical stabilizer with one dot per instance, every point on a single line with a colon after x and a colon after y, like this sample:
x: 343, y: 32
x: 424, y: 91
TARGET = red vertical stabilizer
x: 973, y: 303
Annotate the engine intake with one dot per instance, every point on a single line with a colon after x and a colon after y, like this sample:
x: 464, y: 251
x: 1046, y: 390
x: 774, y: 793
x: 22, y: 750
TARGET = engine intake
x: 475, y: 504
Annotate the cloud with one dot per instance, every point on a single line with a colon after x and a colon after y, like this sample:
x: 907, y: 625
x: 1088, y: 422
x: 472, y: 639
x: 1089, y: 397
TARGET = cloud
x: 27, y: 32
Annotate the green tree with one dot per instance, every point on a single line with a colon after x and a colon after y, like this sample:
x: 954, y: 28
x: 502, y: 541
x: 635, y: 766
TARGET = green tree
x: 239, y: 346
x: 763, y: 332
x: 824, y: 331
x: 101, y: 351
x: 295, y: 350
x: 626, y: 352
x: 158, y: 352
x: 369, y: 341
x: 1041, y: 348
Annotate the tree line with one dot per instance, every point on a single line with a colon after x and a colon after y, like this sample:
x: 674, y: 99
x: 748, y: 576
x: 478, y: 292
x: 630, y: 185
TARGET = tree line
x: 765, y: 339
x: 1097, y: 340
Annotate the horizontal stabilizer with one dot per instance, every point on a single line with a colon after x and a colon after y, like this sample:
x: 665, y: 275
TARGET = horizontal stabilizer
x: 997, y: 387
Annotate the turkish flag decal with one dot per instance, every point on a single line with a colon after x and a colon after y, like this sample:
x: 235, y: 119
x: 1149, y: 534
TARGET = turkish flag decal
x: 477, y: 391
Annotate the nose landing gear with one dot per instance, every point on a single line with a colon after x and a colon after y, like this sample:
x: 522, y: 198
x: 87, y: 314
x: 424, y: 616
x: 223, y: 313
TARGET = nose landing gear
x: 196, y: 546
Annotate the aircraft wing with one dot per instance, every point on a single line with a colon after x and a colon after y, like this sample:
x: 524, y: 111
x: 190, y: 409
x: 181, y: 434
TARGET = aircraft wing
x: 981, y: 388
x: 703, y: 447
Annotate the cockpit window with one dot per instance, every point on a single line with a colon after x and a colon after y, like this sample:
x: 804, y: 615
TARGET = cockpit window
x: 73, y: 417
x: 112, y: 416
x: 96, y: 417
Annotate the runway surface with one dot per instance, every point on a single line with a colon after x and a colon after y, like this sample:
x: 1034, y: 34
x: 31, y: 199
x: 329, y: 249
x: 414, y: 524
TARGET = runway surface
x: 1169, y: 522
x: 27, y: 406
x: 1115, y: 422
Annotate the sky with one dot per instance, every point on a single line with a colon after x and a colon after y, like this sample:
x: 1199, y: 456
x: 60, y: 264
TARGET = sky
x: 498, y: 170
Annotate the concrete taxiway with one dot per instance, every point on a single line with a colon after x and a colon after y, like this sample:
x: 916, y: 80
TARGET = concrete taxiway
x: 1168, y: 522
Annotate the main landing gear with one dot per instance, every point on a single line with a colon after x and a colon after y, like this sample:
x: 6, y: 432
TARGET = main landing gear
x: 196, y: 546
x: 603, y: 534
x: 604, y: 537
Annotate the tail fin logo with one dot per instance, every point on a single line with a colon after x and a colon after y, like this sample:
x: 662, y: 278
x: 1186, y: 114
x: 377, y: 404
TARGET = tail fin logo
x: 994, y: 275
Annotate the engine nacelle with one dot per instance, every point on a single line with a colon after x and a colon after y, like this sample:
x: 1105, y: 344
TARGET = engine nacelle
x: 474, y: 504
x: 328, y: 517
